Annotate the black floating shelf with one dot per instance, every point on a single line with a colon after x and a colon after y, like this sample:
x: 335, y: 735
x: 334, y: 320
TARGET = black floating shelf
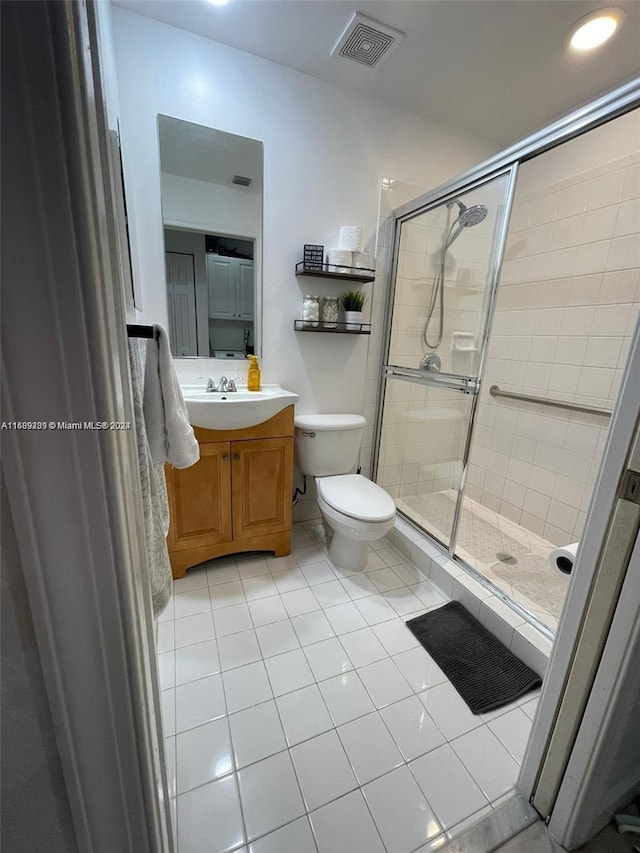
x: 359, y: 274
x: 335, y: 328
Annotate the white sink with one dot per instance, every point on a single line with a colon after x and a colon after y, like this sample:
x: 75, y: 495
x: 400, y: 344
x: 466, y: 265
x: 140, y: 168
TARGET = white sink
x: 235, y: 409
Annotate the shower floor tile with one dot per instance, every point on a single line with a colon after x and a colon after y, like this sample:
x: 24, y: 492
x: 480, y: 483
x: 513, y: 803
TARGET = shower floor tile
x: 314, y: 679
x: 508, y: 555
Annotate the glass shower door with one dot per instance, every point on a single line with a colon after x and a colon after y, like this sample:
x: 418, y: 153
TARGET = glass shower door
x: 446, y: 265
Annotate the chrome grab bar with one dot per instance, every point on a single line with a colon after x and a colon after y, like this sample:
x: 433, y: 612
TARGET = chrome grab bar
x: 546, y: 401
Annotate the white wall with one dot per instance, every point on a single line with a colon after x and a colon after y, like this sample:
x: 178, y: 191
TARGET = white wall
x: 212, y: 207
x: 325, y: 152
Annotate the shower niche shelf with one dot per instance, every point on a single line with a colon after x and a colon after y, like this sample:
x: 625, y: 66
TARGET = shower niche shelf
x: 338, y: 328
x: 358, y: 274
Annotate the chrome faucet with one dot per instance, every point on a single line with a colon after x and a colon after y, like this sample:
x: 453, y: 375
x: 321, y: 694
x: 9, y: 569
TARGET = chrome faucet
x: 225, y: 386
x: 231, y: 385
x: 211, y: 386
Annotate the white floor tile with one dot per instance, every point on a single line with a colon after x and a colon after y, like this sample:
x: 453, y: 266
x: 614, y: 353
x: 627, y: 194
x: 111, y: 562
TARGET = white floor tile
x: 490, y: 716
x: 222, y: 574
x: 277, y: 638
x: 270, y: 795
x: 203, y: 754
x: 168, y: 613
x: 197, y: 661
x: 264, y: 611
x: 370, y: 748
x: 166, y: 637
x: 199, y: 702
x: 246, y: 686
x: 449, y: 711
x: 530, y: 706
x: 345, y: 698
x: 195, y: 578
x: 413, y: 729
x: 300, y: 601
x: 256, y: 733
x: 318, y: 572
x: 170, y: 759
x: 400, y: 811
x: 295, y: 837
x: 288, y: 672
x: 167, y: 670
x: 404, y: 602
x: 251, y: 567
x: 290, y: 580
x: 391, y: 557
x: 345, y: 618
x: 304, y: 714
x: 327, y: 659
x: 419, y: 668
x: 238, y: 649
x: 312, y: 628
x: 363, y: 647
x: 308, y: 554
x: 331, y: 593
x: 226, y: 594
x: 232, y: 620
x: 359, y: 586
x: 346, y: 825
x: 376, y: 609
x: 384, y: 682
x: 513, y: 730
x: 168, y: 699
x: 385, y: 580
x: 279, y: 564
x: 323, y: 770
x: 447, y: 785
x: 194, y: 629
x: 261, y: 586
x: 495, y: 777
x: 395, y: 636
x: 374, y: 561
x: 188, y: 603
x: 409, y: 573
x: 428, y: 594
x: 209, y: 818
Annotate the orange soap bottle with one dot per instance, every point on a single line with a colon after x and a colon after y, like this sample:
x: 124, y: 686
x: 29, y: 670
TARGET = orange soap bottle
x: 253, y: 379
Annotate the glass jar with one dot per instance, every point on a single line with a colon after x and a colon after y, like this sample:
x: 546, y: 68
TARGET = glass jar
x: 311, y: 311
x: 330, y: 312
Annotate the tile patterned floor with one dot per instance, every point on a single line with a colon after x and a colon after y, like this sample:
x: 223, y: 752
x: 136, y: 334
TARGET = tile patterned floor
x: 301, y: 715
x: 507, y: 554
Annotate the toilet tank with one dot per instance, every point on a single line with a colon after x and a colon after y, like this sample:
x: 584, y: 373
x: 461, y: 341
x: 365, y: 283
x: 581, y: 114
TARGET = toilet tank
x: 326, y: 445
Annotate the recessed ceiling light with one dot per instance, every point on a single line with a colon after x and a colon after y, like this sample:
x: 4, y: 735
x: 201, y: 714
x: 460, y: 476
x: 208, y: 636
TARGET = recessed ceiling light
x: 218, y: 2
x: 595, y: 29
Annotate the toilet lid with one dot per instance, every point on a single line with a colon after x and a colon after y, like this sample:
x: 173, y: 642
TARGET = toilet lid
x: 355, y: 496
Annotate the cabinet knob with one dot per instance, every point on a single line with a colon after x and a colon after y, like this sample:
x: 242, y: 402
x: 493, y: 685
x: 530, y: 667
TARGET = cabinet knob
x: 225, y: 458
x: 236, y: 456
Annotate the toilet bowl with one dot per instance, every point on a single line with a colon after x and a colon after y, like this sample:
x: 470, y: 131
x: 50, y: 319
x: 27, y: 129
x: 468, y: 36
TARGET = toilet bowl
x: 356, y: 510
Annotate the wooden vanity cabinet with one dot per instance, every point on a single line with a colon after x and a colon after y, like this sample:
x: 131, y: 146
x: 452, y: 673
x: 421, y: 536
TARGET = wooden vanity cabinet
x: 236, y: 498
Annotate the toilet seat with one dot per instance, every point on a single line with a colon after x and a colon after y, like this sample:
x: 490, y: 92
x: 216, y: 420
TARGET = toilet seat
x: 356, y: 497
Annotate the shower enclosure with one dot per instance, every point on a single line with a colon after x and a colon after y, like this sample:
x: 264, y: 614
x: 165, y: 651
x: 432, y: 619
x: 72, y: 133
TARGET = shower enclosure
x: 512, y: 298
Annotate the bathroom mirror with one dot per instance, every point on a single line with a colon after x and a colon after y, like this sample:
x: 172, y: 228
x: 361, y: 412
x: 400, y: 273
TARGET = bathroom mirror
x: 211, y: 185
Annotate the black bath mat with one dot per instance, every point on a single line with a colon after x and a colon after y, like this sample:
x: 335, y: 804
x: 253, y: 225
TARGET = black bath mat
x: 481, y: 668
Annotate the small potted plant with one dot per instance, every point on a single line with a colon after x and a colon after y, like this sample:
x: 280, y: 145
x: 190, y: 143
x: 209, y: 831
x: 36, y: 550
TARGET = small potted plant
x: 352, y: 302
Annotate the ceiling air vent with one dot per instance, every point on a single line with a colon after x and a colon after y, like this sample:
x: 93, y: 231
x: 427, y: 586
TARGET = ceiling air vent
x: 241, y: 181
x: 367, y: 41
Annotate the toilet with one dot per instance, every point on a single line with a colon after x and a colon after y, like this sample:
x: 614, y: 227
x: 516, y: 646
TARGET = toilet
x: 355, y: 509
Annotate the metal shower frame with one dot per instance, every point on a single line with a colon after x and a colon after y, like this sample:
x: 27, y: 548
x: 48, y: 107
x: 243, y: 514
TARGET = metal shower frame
x: 616, y: 103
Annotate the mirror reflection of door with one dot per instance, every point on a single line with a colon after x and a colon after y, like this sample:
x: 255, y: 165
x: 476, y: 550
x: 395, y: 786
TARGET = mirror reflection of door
x: 211, y: 185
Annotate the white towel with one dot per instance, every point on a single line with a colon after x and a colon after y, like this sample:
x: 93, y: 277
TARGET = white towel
x: 169, y: 432
x: 153, y: 490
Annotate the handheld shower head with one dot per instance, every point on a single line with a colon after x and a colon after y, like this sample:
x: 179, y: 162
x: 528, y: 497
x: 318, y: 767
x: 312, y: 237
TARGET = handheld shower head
x: 467, y: 217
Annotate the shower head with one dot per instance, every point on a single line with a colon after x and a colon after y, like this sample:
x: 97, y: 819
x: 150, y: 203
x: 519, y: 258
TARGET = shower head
x: 467, y: 217
x: 472, y: 215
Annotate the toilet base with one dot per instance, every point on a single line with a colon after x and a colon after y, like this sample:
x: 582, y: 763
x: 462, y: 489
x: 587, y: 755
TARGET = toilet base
x: 349, y: 554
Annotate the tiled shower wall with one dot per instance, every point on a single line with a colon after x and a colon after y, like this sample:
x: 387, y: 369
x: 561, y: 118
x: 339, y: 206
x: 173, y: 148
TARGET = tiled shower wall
x: 567, y: 306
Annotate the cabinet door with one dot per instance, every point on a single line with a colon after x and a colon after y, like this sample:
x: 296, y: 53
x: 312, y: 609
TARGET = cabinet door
x: 245, y: 291
x: 221, y: 278
x: 200, y: 499
x: 262, y: 474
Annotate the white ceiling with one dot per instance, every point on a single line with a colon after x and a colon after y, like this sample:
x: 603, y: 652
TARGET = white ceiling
x: 193, y: 151
x: 496, y: 68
